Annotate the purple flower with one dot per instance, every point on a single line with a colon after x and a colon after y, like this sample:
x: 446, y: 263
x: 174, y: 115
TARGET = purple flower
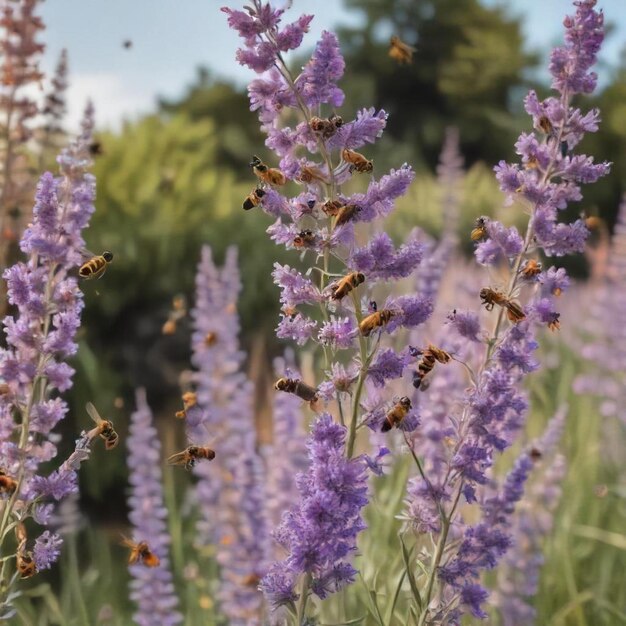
x: 501, y: 243
x: 338, y: 333
x: 295, y: 288
x: 317, y: 82
x: 366, y: 128
x: 387, y: 365
x: 465, y: 323
x: 47, y: 550
x: 152, y: 588
x: 319, y: 533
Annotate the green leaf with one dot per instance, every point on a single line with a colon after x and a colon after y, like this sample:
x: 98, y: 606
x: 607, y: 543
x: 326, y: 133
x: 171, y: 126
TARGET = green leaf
x: 406, y: 555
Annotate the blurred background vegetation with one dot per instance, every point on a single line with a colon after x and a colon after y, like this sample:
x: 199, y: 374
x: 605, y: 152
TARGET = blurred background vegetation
x: 175, y: 179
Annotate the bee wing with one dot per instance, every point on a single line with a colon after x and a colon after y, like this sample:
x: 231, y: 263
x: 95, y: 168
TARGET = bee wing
x: 93, y: 413
x: 87, y: 254
x: 180, y: 458
x: 126, y: 542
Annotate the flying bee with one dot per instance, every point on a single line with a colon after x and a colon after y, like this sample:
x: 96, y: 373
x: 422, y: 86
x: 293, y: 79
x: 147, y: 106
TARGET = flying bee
x: 535, y: 454
x: 429, y: 357
x: 250, y: 580
x: 327, y: 128
x: 104, y: 428
x: 531, y: 269
x: 396, y: 414
x: 95, y: 148
x: 479, y: 232
x: 298, y: 388
x: 269, y: 175
x: 490, y: 298
x: 7, y: 484
x: 400, y: 51
x: 357, y: 161
x: 304, y: 239
x: 178, y: 311
x: 347, y: 213
x: 308, y: 174
x: 95, y: 266
x: 375, y: 320
x: 189, y: 399
x: 210, y: 339
x: 140, y: 553
x: 190, y: 455
x: 553, y: 322
x: 332, y: 207
x: 347, y: 284
x: 127, y: 44
x: 253, y: 199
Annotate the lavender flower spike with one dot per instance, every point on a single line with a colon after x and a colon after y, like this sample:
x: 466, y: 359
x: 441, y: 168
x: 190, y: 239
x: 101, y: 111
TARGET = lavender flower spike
x: 152, y: 588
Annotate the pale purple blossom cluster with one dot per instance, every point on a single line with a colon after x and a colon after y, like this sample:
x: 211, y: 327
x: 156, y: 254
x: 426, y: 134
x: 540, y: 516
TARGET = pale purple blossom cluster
x: 231, y: 489
x: 152, y: 588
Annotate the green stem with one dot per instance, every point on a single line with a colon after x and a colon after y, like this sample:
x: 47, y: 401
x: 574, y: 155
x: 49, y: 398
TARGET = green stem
x: 306, y: 583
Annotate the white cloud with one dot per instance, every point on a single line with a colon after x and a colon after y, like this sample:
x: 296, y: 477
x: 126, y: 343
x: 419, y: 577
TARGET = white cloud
x: 113, y: 99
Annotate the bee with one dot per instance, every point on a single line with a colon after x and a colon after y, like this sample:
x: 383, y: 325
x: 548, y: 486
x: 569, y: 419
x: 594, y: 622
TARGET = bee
x: 210, y: 339
x: 429, y: 357
x: 298, y: 388
x: 141, y: 553
x: 535, y: 454
x: 250, y: 580
x: 269, y: 175
x: 127, y: 44
x: 95, y: 266
x: 332, y: 207
x: 357, y: 161
x: 554, y: 323
x: 5, y: 390
x: 397, y: 414
x: 347, y: 284
x: 25, y: 563
x: 347, y: 213
x: 179, y: 310
x: 490, y: 298
x: 7, y: 484
x: 479, y: 231
x: 304, y: 239
x: 189, y: 399
x: 190, y: 455
x: 327, y: 128
x: 531, y: 269
x: 545, y: 125
x: 374, y: 320
x: 95, y: 148
x: 308, y: 174
x: 253, y: 199
x: 400, y: 51
x: 104, y: 428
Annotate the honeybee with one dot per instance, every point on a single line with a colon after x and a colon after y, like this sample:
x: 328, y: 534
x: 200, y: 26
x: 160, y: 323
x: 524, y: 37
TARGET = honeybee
x: 375, y: 320
x: 545, y: 125
x: 127, y: 44
x: 397, y: 414
x: 479, y: 232
x: 347, y: 213
x: 308, y: 174
x: 400, y: 51
x: 298, y: 388
x: 535, y: 454
x: 189, y: 399
x: 429, y: 357
x: 530, y: 269
x: 250, y: 580
x: 140, y: 553
x: 490, y: 298
x: 327, y: 128
x: 210, y: 339
x: 7, y: 484
x: 269, y: 175
x: 190, y: 455
x: 253, y: 199
x: 95, y: 266
x: 179, y: 310
x: 25, y: 563
x: 554, y: 323
x: 104, y: 428
x: 304, y: 239
x: 95, y: 148
x: 357, y: 161
x: 332, y: 207
x: 347, y: 284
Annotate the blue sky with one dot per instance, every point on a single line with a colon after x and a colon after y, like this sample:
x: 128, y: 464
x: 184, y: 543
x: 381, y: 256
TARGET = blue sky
x: 173, y: 37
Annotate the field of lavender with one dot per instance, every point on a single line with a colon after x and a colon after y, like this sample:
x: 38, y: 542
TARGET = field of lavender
x: 325, y: 387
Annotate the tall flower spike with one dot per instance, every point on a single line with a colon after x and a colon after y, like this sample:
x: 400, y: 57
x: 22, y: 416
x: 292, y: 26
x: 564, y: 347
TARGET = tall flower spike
x: 152, y: 588
x: 231, y: 489
x: 41, y: 335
